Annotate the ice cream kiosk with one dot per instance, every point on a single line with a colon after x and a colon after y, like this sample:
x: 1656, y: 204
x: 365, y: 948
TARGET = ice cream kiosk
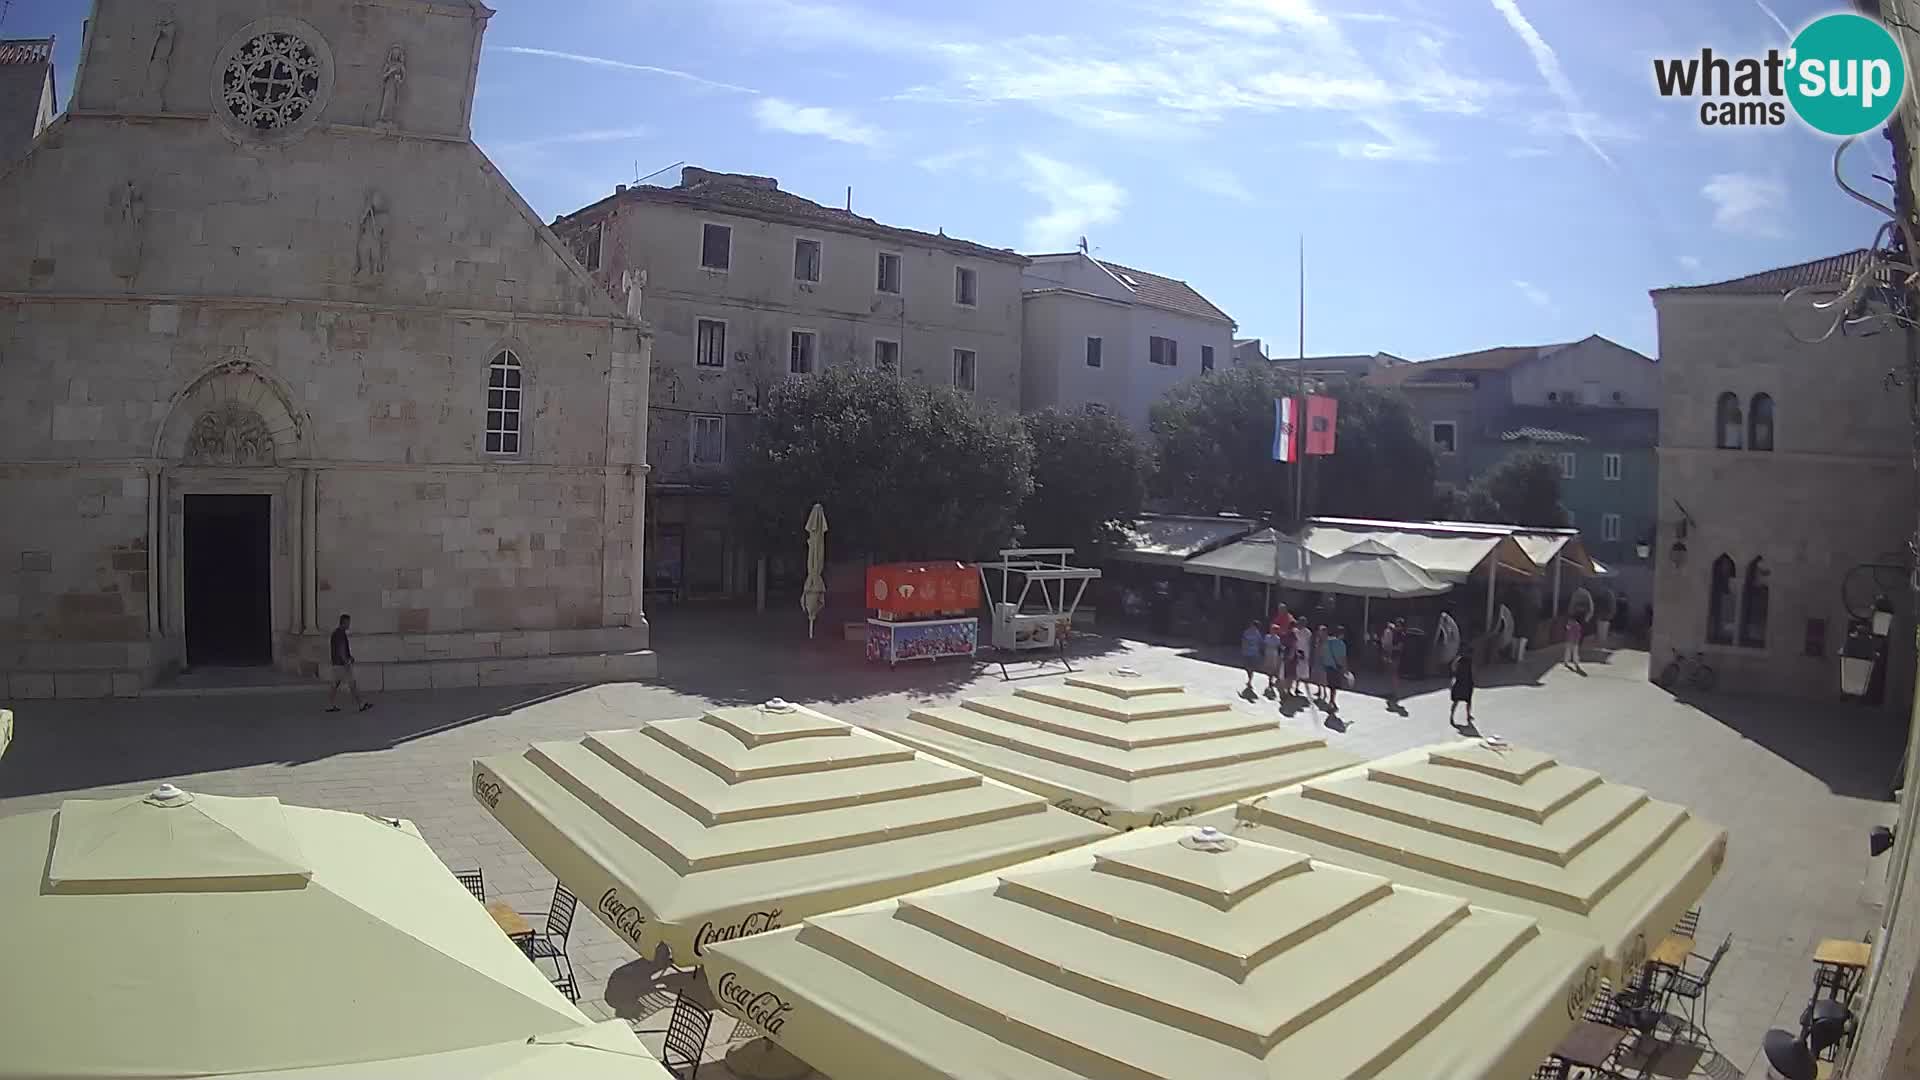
x: 922, y: 611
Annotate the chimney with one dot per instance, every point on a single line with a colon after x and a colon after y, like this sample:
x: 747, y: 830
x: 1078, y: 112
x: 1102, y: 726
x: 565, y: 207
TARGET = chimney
x: 619, y: 189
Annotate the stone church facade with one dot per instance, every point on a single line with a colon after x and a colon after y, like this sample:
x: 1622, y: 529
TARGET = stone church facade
x: 279, y: 343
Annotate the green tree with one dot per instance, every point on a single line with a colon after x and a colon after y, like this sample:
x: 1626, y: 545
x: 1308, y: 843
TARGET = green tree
x: 1214, y: 437
x: 904, y: 471
x: 1524, y: 489
x: 1089, y: 477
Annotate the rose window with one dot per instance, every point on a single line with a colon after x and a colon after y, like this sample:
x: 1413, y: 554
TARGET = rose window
x: 271, y: 82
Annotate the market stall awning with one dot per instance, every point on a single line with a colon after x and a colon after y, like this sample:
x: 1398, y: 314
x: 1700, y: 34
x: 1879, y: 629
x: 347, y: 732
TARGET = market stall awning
x: 1266, y: 556
x: 1449, y: 555
x: 700, y: 830
x: 1508, y: 828
x: 1162, y: 954
x: 196, y: 935
x: 1167, y: 539
x: 1370, y: 568
x: 1122, y: 750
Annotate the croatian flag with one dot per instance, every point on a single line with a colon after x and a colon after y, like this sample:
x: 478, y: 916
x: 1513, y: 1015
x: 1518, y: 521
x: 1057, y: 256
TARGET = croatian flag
x: 1286, y: 444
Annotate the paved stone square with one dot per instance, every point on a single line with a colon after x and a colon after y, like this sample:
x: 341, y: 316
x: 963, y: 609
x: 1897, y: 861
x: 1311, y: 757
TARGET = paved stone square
x: 1798, y: 785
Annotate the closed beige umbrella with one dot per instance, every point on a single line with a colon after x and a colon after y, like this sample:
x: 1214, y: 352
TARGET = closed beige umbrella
x: 813, y: 592
x: 193, y: 935
x: 1508, y: 828
x: 696, y: 831
x: 1166, y: 954
x: 6, y: 730
x: 1122, y: 750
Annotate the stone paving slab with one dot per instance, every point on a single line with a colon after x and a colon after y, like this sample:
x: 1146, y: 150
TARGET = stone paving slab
x: 1797, y: 785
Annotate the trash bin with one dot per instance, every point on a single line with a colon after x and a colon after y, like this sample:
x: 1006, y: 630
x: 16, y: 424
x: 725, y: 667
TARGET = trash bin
x: 1413, y: 652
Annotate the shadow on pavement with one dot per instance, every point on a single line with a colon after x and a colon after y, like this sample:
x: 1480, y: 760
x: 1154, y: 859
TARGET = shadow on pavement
x: 68, y: 745
x: 734, y: 657
x: 1852, y: 749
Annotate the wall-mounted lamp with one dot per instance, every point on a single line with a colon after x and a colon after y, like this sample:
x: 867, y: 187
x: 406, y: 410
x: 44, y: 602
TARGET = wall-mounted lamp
x: 1678, y: 552
x: 1882, y: 616
x: 1643, y: 548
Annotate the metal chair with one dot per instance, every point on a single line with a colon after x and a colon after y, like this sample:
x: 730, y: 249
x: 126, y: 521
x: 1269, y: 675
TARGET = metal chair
x: 550, y: 941
x: 1689, y: 924
x: 686, y: 1037
x: 1691, y: 989
x: 474, y: 883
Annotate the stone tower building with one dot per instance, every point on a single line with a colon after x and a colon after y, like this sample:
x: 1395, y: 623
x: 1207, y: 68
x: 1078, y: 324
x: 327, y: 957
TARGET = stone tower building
x: 279, y: 343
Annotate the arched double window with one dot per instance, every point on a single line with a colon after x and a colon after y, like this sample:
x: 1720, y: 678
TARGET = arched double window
x: 1720, y: 602
x: 1753, y: 605
x: 503, y: 403
x: 1727, y: 426
x: 1760, y: 422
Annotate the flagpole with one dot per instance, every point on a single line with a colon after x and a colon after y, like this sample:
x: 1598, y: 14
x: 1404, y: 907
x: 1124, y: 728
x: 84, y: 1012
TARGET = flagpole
x: 1300, y: 389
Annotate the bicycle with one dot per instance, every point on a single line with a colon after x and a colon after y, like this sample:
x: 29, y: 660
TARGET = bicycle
x: 1689, y: 668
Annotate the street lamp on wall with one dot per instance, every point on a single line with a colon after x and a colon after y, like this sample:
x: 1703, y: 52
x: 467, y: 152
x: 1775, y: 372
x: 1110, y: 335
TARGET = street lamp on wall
x: 1678, y: 552
x: 1643, y: 548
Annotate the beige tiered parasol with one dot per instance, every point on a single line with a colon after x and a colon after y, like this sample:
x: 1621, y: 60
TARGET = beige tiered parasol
x: 1163, y: 953
x: 1508, y: 828
x: 195, y: 935
x: 1120, y: 749
x: 696, y: 831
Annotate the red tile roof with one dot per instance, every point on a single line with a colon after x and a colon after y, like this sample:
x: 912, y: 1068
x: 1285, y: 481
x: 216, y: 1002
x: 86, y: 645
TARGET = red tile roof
x: 1165, y: 292
x: 26, y: 51
x: 1832, y: 270
x: 1495, y: 359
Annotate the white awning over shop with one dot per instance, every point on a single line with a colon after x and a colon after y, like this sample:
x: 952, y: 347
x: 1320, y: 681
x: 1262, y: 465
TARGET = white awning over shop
x: 1168, y: 539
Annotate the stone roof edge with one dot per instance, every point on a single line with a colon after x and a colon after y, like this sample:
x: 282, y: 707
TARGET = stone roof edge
x: 951, y: 244
x: 597, y: 296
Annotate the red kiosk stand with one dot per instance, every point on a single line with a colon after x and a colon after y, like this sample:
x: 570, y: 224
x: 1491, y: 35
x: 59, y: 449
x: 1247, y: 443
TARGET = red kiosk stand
x: 920, y: 611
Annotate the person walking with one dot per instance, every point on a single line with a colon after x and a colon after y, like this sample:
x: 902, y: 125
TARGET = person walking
x: 1252, y: 640
x: 1392, y: 640
x: 340, y: 653
x: 1462, y: 686
x: 1333, y: 664
x: 1572, y: 654
x: 1283, y: 624
x: 1272, y: 646
x: 1299, y: 656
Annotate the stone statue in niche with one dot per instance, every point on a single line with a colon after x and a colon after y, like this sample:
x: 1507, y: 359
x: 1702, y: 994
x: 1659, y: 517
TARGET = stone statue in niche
x: 370, y: 249
x: 390, y: 80
x: 229, y: 434
x: 160, y: 62
x: 635, y: 283
x: 127, y: 213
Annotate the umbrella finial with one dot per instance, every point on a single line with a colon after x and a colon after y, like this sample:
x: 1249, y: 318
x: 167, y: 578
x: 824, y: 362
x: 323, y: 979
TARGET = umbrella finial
x: 168, y: 795
x: 1126, y: 673
x: 778, y: 705
x: 1208, y: 838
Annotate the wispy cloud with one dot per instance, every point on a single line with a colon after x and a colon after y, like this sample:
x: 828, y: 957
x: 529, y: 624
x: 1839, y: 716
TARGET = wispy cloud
x: 1077, y: 199
x: 1221, y: 182
x: 775, y: 114
x: 1690, y: 263
x: 595, y: 135
x: 1166, y: 75
x: 1529, y: 152
x: 1535, y: 295
x: 969, y: 158
x: 622, y: 65
x: 1392, y: 141
x: 1547, y: 62
x: 1747, y: 204
x: 1784, y: 32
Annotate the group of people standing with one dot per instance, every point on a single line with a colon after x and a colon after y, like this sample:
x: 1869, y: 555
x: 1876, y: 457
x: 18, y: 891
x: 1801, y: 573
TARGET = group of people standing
x: 1296, y: 656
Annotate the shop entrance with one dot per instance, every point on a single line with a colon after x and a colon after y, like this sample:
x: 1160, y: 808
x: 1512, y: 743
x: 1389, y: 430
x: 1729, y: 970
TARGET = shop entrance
x: 228, y: 566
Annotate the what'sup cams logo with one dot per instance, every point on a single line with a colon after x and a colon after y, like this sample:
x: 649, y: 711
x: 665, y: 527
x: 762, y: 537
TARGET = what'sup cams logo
x: 1843, y: 75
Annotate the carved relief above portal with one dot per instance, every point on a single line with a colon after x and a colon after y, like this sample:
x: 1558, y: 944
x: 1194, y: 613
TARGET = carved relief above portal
x: 230, y: 434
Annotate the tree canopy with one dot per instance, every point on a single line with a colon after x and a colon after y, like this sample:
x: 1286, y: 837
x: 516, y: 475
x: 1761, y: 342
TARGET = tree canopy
x: 1524, y: 489
x: 1215, y: 440
x: 904, y: 471
x: 1089, y: 476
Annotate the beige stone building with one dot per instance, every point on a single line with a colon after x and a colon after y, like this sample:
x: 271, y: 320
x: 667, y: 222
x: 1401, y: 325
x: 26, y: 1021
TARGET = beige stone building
x: 280, y: 343
x: 28, y: 97
x: 746, y: 286
x: 1784, y: 467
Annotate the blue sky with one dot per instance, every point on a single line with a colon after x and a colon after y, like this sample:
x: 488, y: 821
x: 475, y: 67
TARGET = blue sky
x: 1466, y: 173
